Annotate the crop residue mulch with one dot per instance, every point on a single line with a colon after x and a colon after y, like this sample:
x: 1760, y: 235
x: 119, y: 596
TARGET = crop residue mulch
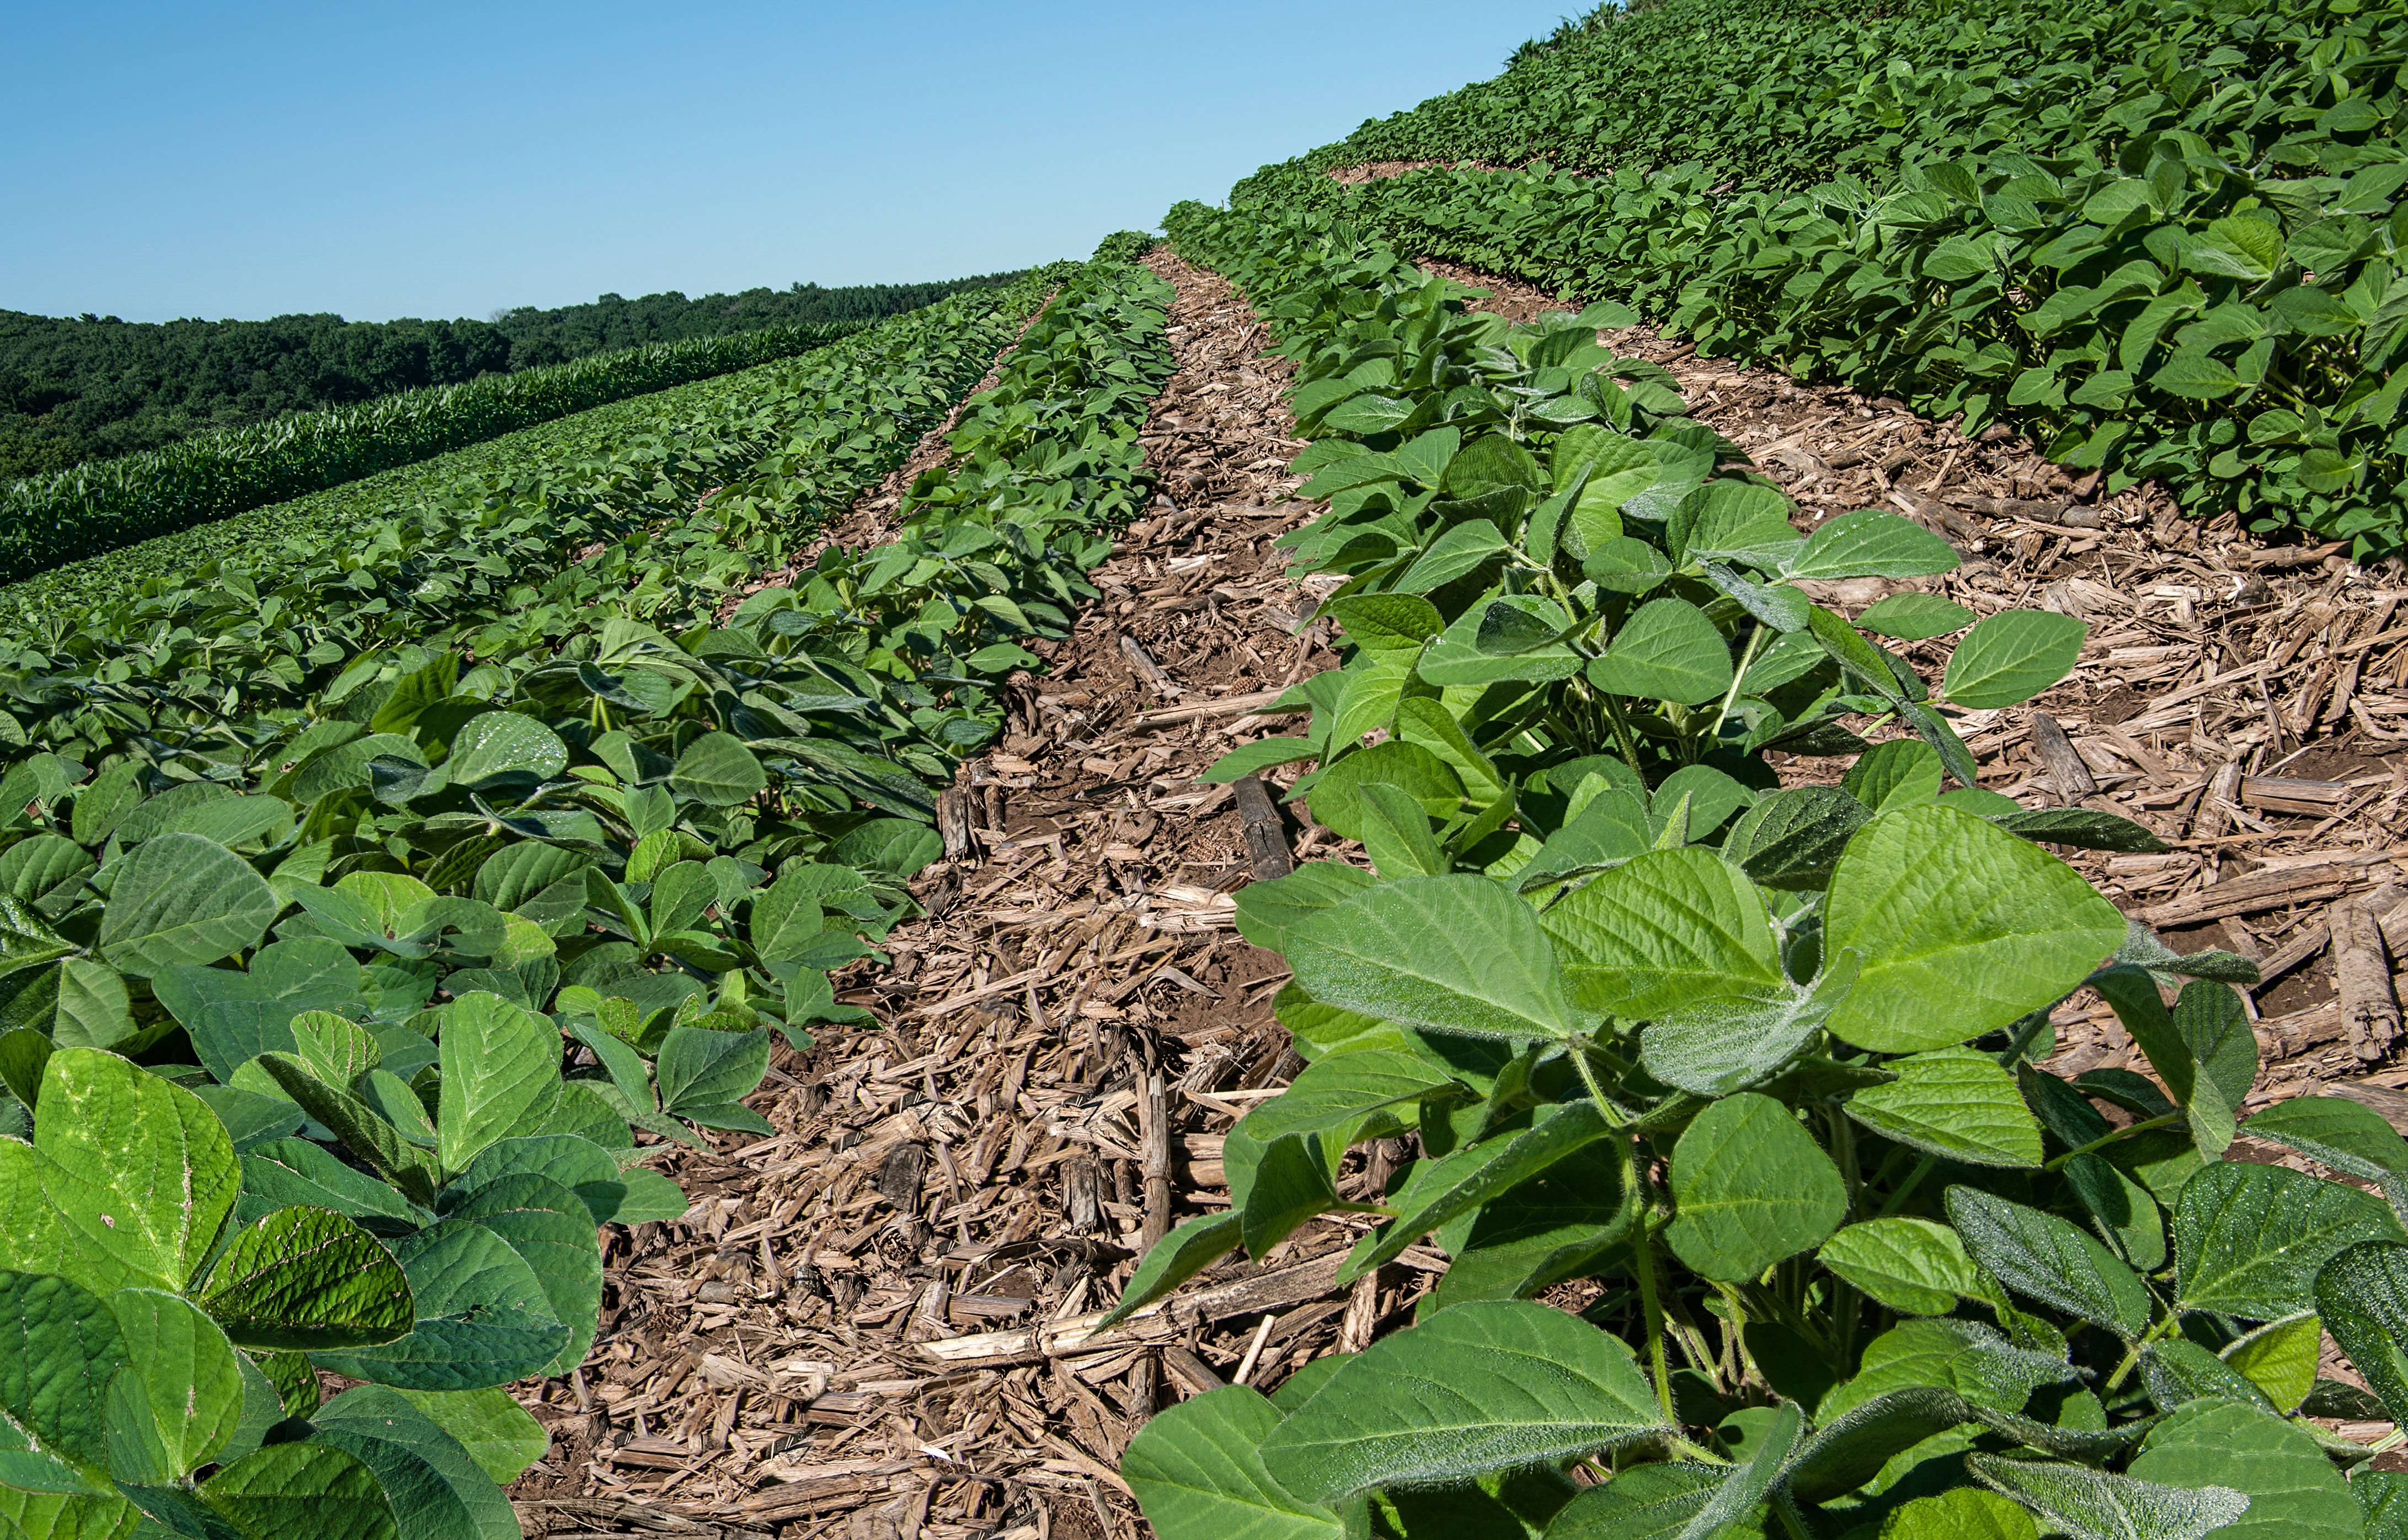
x: 869, y: 1324
x: 874, y: 1324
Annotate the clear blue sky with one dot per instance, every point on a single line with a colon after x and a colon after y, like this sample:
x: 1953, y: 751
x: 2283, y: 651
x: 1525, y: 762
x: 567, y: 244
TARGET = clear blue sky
x: 438, y: 159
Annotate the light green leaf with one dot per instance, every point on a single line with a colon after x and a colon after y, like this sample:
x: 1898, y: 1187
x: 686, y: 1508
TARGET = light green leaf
x: 2294, y: 1492
x: 551, y: 1226
x: 295, y: 1490
x: 1265, y: 911
x: 718, y: 771
x: 2280, y: 1358
x: 1196, y: 1244
x: 2350, y: 1137
x: 1385, y: 622
x: 307, y: 1278
x: 1955, y: 1103
x: 59, y: 1345
x: 2363, y: 1296
x: 1479, y: 1387
x: 1717, y: 1046
x: 1396, y: 834
x: 436, y: 1489
x: 2087, y: 1504
x: 180, y: 899
x: 1903, y: 772
x: 1667, y: 930
x: 1750, y: 1187
x: 1961, y: 929
x: 1914, y: 1266
x: 1967, y: 1513
x: 1654, y: 1502
x: 703, y: 1076
x: 139, y: 1169
x: 1456, y: 954
x: 483, y: 1318
x: 2250, y: 1239
x: 2047, y: 1258
x: 2011, y: 658
x: 175, y: 1405
x: 1463, y: 550
x: 490, y: 1424
x: 1916, y: 617
x: 1667, y: 650
x: 1869, y: 543
x: 498, y: 745
x: 2121, y: 1210
x: 1459, y: 1183
x: 497, y: 1060
x: 1197, y: 1470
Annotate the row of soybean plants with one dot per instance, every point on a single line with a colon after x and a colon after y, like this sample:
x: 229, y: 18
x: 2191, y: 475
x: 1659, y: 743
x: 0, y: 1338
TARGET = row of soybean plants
x: 2165, y: 240
x: 83, y: 511
x: 332, y: 1013
x: 1750, y: 1075
x: 263, y: 541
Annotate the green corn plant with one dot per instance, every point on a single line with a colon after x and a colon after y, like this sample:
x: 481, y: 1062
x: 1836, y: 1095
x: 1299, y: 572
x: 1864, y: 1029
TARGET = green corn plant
x: 1756, y: 1068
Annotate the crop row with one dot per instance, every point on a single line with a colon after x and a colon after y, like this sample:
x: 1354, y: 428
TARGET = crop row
x: 2164, y: 240
x: 1752, y: 1072
x: 335, y: 1000
x: 82, y: 512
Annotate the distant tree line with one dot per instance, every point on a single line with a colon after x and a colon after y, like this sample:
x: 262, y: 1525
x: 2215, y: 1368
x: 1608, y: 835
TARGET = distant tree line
x: 74, y: 389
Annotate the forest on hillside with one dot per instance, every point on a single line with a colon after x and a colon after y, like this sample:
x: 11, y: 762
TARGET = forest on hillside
x: 91, y: 387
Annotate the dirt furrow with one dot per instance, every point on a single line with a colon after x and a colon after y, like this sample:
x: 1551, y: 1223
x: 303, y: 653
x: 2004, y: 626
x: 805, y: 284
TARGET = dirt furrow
x: 841, y: 1336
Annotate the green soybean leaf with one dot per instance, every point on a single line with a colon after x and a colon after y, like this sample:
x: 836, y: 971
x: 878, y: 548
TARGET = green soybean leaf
x: 1850, y: 1448
x: 1477, y: 1388
x: 2088, y: 1504
x: 550, y: 1227
x: 62, y: 1344
x: 1197, y: 1470
x: 1914, y: 617
x: 1914, y: 1266
x: 437, y: 1490
x: 1717, y: 1046
x: 483, y: 1318
x: 141, y: 1171
x: 175, y: 1405
x: 1869, y: 543
x: 718, y: 771
x: 1960, y: 928
x: 307, y: 1278
x: 1277, y: 1185
x: 1385, y: 622
x: 2280, y: 1360
x: 2011, y: 658
x: 2085, y: 829
x: 498, y: 1060
x: 492, y: 1427
x: 1793, y: 838
x: 1900, y: 773
x: 703, y: 1076
x: 1667, y: 650
x: 2121, y: 1210
x: 1655, y: 1502
x: 1334, y: 800
x: 1469, y: 1178
x: 286, y: 1172
x: 1396, y: 834
x: 1666, y: 929
x: 1462, y: 550
x: 1265, y: 911
x: 2350, y: 1137
x: 2294, y: 1492
x: 1454, y: 953
x: 1195, y: 1244
x: 2363, y: 1295
x: 2250, y: 1239
x: 1968, y: 1513
x: 182, y: 899
x: 2047, y: 1258
x: 1955, y: 1103
x: 501, y: 746
x: 293, y: 1490
x: 1749, y: 1187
